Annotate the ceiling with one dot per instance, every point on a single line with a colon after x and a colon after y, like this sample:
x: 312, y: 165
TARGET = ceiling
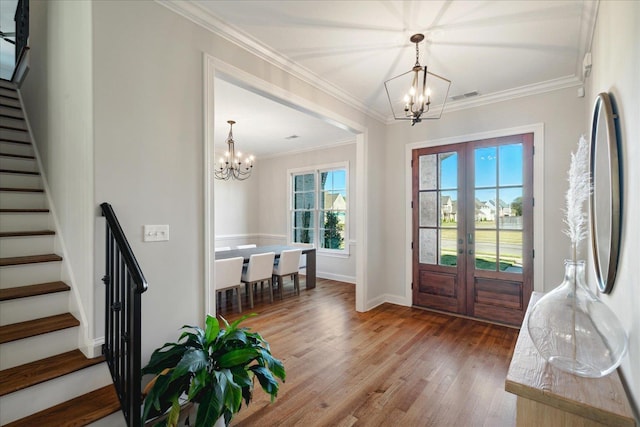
x: 499, y: 49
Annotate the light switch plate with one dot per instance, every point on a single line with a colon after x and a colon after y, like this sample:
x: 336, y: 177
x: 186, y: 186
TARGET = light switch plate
x: 156, y: 233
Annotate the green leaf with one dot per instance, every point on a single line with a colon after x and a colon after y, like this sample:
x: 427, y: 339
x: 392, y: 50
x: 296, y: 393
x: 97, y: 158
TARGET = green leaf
x: 267, y: 381
x: 237, y: 357
x: 274, y: 365
x: 235, y: 324
x: 212, y: 330
x: 232, y: 393
x: 174, y: 414
x: 162, y: 359
x: 209, y: 408
x: 192, y: 361
x: 237, y: 335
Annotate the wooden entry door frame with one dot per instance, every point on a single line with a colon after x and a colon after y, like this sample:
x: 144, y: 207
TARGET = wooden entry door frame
x: 538, y: 187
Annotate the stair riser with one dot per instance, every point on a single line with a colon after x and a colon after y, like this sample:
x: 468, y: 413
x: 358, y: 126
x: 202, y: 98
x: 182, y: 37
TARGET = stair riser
x: 23, y: 309
x: 41, y: 396
x: 15, y: 180
x: 11, y: 112
x: 13, y: 148
x: 14, y: 135
x: 29, y: 165
x: 114, y: 420
x: 30, y: 349
x: 8, y: 92
x: 13, y: 123
x: 13, y: 200
x: 26, y: 245
x: 28, y: 274
x: 25, y: 221
x: 7, y: 84
x: 10, y: 102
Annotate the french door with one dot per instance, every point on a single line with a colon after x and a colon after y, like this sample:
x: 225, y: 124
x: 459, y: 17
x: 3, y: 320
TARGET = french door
x: 473, y: 228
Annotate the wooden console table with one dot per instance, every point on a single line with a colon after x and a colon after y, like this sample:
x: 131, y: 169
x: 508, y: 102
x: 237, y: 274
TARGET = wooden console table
x: 548, y: 396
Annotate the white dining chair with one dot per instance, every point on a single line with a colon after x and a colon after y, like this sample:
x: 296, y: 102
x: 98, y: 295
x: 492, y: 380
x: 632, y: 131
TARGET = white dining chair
x: 228, y: 273
x: 222, y: 248
x: 258, y: 270
x: 288, y: 265
x: 246, y: 246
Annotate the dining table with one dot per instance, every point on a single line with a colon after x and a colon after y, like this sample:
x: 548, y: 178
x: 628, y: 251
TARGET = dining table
x: 309, y: 253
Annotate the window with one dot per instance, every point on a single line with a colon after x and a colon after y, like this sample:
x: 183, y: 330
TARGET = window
x: 319, y: 208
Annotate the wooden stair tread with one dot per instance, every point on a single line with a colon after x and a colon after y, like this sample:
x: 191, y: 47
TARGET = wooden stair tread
x: 17, y: 156
x: 23, y: 376
x: 76, y: 412
x: 22, y: 190
x: 31, y: 328
x: 31, y: 259
x: 34, y: 210
x: 19, y: 172
x: 33, y: 290
x: 27, y: 233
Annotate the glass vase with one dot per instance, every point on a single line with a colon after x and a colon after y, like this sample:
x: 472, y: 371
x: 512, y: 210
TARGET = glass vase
x: 574, y: 330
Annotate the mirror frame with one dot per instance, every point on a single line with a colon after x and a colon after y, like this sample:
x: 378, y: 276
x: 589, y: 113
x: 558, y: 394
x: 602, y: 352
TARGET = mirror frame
x: 605, y: 266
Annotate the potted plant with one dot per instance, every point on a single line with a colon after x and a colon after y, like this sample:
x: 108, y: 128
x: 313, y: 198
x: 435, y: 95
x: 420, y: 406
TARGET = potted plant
x: 213, y: 368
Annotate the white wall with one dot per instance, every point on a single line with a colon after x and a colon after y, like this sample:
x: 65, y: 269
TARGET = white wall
x: 237, y: 210
x: 274, y: 203
x: 149, y: 145
x: 58, y: 99
x: 616, y: 69
x: 562, y: 114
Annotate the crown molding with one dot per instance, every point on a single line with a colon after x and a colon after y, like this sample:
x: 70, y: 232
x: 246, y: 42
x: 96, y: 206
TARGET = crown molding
x: 203, y: 17
x: 506, y: 95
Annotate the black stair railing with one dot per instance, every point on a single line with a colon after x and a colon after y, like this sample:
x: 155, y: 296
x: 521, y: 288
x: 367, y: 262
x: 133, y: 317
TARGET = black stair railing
x: 22, y: 27
x: 124, y: 285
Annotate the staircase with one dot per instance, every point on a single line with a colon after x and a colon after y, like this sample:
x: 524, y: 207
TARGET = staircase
x: 45, y: 380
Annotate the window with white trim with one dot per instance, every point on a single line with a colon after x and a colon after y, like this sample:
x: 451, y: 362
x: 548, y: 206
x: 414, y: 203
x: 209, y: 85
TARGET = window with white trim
x: 319, y: 208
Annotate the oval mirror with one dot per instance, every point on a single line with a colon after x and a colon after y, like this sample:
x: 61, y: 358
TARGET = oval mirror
x: 604, y: 202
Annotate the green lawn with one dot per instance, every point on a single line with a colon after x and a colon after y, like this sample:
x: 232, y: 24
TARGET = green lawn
x: 481, y: 263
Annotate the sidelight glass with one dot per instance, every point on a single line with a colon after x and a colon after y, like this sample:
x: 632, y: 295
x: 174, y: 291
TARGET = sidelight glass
x: 428, y: 245
x: 428, y: 209
x: 438, y: 208
x: 428, y: 172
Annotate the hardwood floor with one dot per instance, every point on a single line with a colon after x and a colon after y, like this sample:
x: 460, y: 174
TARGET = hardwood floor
x: 391, y: 366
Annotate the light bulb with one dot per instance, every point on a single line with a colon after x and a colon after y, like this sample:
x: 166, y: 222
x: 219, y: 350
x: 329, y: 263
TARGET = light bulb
x: 412, y: 91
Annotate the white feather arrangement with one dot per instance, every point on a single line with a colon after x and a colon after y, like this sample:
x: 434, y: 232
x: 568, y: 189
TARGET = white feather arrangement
x: 577, y: 194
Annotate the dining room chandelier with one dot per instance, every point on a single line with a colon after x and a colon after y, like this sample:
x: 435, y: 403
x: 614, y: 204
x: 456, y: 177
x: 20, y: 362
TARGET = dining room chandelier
x: 417, y: 94
x: 232, y: 165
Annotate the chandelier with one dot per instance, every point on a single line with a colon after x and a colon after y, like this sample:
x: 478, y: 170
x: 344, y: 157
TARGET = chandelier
x: 426, y: 93
x: 232, y: 165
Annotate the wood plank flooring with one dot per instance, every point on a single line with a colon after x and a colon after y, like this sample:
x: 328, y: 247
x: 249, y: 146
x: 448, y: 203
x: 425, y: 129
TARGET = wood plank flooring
x: 391, y: 366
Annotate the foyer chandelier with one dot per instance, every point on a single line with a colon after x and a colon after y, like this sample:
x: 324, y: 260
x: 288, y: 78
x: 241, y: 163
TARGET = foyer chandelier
x: 232, y: 165
x: 421, y: 98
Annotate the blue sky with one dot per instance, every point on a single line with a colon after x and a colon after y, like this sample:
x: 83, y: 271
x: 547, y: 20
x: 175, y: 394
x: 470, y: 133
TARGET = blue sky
x: 486, y: 172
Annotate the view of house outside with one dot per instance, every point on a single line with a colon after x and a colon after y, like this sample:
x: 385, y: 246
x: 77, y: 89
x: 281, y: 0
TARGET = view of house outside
x: 498, y: 229
x: 325, y: 203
